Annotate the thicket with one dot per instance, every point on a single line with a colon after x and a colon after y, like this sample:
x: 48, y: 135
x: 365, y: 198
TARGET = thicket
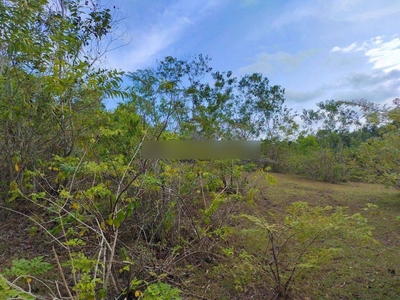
x: 342, y: 141
x: 117, y: 225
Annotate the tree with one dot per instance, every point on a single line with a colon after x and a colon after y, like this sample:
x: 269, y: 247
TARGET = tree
x: 186, y: 97
x: 50, y: 88
x: 380, y: 155
x: 330, y: 127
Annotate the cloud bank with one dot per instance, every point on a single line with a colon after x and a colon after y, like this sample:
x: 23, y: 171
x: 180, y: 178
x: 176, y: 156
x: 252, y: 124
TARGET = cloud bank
x: 384, y: 55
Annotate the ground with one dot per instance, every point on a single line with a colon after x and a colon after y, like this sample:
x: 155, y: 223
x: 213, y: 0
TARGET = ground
x: 371, y: 271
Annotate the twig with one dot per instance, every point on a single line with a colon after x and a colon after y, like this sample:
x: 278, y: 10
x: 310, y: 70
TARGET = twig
x: 36, y: 222
x: 16, y: 287
x: 36, y: 279
x: 58, y: 289
x: 62, y: 273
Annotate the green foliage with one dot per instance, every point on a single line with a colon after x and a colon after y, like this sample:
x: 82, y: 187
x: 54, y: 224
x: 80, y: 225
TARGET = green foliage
x: 33, y: 267
x: 7, y: 291
x: 336, y: 148
x: 307, y: 145
x: 86, y: 286
x: 379, y: 156
x: 245, y: 272
x: 323, y: 164
x: 161, y: 291
x: 331, y: 116
x: 22, y: 268
x: 172, y: 96
x: 210, y: 210
x: 83, y: 267
x: 298, y: 243
x: 50, y: 88
x: 79, y: 166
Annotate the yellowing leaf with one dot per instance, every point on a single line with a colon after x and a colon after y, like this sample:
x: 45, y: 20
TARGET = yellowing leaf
x: 126, y: 268
x: 75, y: 206
x: 16, y: 167
x: 137, y: 294
x: 103, y: 225
x: 109, y: 222
x: 29, y: 279
x: 13, y: 185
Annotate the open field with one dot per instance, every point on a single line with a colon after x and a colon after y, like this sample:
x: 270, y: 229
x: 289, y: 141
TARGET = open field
x: 361, y: 271
x: 371, y: 271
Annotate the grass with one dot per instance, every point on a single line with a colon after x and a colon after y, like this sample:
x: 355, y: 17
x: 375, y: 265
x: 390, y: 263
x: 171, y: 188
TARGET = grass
x: 361, y: 271
x: 370, y: 271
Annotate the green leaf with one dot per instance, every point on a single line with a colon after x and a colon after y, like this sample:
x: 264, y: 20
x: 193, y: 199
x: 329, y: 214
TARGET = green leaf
x: 119, y: 219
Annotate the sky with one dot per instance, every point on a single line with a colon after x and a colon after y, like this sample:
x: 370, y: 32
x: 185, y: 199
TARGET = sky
x: 316, y: 50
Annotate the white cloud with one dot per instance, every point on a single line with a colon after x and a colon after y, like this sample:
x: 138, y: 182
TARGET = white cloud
x: 282, y: 61
x: 345, y: 49
x: 384, y: 55
x: 150, y: 43
x: 161, y: 29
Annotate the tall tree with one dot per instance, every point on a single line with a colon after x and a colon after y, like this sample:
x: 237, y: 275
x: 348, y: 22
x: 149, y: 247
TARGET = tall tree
x: 50, y: 86
x: 188, y: 98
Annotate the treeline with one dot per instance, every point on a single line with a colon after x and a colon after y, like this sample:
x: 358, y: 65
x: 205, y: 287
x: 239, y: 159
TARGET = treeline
x: 343, y: 141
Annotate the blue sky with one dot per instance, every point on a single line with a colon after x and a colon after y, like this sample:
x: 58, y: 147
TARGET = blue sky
x: 316, y: 50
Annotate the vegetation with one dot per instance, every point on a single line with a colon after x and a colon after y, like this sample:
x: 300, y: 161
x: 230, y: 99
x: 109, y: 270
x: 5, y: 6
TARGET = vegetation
x: 85, y: 217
